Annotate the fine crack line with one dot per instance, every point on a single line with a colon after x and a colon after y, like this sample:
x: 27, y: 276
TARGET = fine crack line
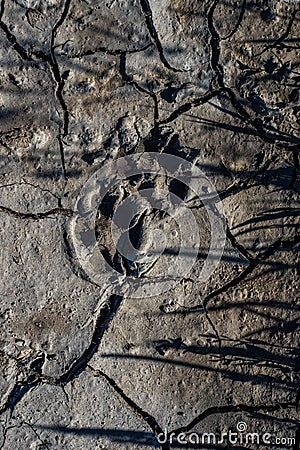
x: 43, y: 443
x: 154, y: 35
x: 136, y: 409
x: 27, y: 183
x: 4, y: 433
x: 37, y: 216
x: 129, y: 79
x: 60, y: 86
x: 239, y: 21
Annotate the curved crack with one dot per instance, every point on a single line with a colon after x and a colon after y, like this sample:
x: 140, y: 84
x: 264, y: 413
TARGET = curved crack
x: 103, y: 320
x: 230, y: 409
x: 133, y: 406
x: 129, y: 79
x: 154, y: 35
x: 106, y: 314
x: 11, y: 38
x: 239, y: 21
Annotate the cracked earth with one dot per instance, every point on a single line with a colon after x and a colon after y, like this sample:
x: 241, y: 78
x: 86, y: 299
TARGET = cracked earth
x: 84, y: 82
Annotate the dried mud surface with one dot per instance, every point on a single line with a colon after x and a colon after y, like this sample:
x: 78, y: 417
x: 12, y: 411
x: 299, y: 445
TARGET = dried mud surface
x: 84, y: 82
